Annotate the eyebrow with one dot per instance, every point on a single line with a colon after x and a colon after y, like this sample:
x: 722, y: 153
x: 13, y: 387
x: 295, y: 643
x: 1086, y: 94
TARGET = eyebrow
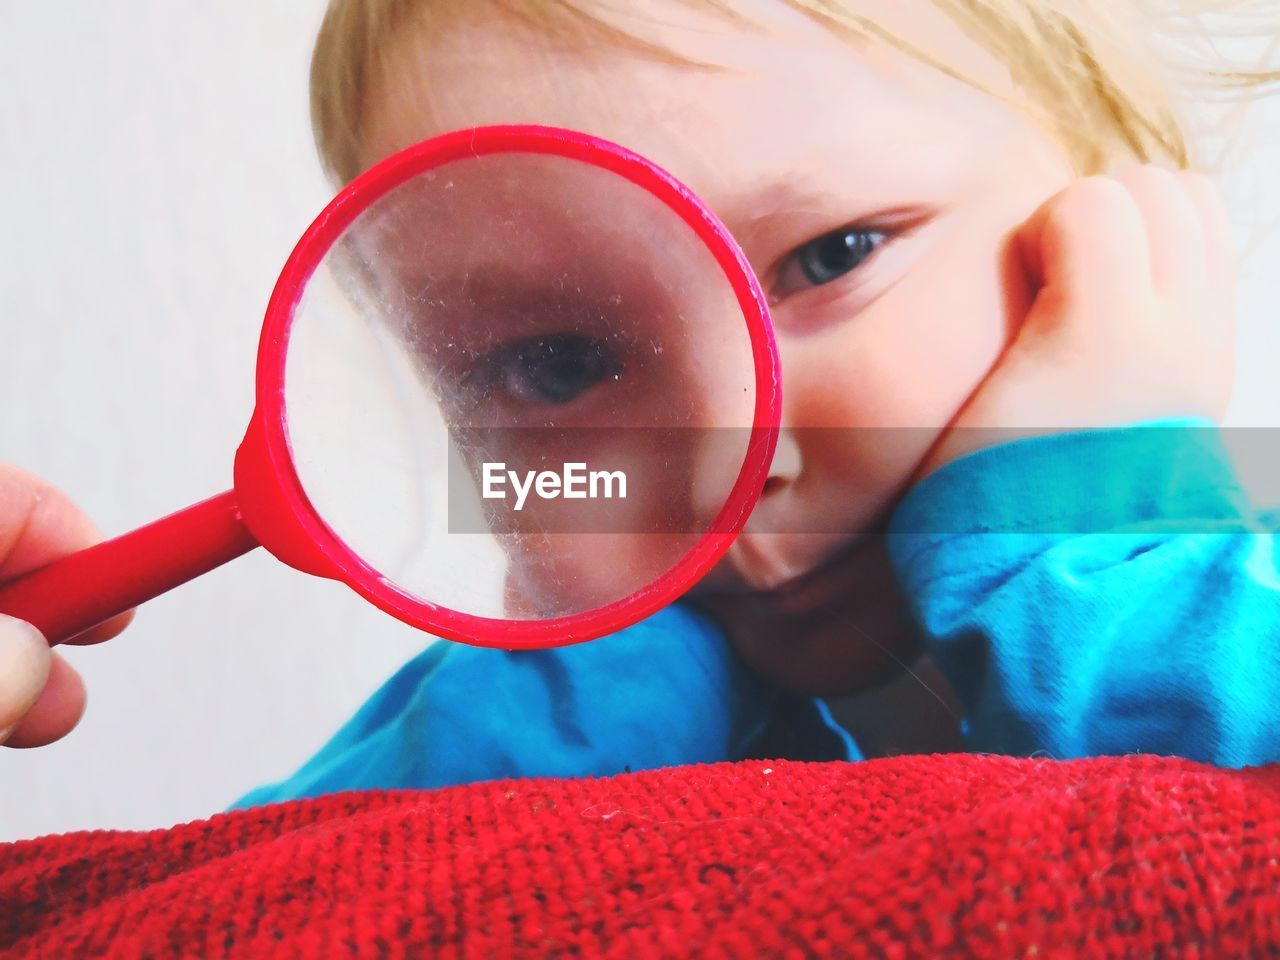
x: 755, y: 214
x: 775, y: 197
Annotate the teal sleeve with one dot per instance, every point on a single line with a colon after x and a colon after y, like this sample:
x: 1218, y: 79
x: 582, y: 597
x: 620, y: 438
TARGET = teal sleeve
x: 667, y: 691
x: 1100, y: 592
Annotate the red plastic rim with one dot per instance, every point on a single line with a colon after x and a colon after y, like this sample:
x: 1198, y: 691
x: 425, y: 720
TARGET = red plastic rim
x: 375, y: 183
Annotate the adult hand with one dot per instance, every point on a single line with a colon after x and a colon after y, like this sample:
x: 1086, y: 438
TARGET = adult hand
x: 41, y: 697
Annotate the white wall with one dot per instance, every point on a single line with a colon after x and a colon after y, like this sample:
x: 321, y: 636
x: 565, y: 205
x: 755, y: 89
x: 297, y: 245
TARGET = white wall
x: 157, y: 168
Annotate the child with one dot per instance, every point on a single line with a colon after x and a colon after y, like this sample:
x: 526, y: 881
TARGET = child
x: 910, y: 181
x: 955, y: 212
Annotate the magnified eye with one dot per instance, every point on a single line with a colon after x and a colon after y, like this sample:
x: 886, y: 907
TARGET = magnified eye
x: 829, y: 257
x: 553, y: 369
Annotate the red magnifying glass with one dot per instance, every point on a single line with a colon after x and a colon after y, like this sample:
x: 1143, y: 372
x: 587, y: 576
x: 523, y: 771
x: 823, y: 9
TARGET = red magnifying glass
x: 516, y: 386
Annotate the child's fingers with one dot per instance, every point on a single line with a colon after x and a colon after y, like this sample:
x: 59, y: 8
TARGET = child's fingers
x: 1176, y: 235
x: 1088, y: 243
x: 57, y: 711
x: 39, y: 524
x: 1217, y: 227
x: 1219, y: 315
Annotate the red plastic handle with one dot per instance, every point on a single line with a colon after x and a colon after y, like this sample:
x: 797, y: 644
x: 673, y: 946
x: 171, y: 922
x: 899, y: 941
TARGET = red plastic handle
x: 76, y: 593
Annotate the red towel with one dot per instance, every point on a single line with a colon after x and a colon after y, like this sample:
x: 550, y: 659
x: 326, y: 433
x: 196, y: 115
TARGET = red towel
x: 905, y: 857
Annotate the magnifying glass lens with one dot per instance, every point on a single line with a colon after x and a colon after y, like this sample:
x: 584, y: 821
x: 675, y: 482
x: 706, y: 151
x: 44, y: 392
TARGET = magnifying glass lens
x: 519, y: 386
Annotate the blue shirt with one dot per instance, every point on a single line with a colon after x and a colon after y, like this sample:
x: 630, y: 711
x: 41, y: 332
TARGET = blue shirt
x: 1100, y: 592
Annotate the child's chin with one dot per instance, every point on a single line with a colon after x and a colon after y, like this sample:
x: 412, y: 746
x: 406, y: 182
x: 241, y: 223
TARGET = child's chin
x: 837, y: 650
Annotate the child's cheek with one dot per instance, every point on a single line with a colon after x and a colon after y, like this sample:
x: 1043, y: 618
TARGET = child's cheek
x: 912, y: 358
x: 930, y: 341
x: 936, y: 335
x: 895, y: 374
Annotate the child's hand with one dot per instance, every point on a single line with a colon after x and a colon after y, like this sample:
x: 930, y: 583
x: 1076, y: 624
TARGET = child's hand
x: 1133, y: 317
x: 41, y: 697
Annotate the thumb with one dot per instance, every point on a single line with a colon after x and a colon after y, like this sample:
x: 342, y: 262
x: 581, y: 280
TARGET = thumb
x: 25, y: 660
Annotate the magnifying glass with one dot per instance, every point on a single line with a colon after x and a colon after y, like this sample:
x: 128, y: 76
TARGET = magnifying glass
x: 516, y: 386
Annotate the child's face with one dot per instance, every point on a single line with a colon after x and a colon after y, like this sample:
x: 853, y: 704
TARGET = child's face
x: 799, y: 135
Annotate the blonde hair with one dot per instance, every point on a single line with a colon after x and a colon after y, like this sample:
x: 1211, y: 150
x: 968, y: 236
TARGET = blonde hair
x: 1092, y: 72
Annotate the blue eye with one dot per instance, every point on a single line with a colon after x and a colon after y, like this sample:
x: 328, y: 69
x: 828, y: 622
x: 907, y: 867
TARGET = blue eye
x: 832, y: 256
x: 554, y: 369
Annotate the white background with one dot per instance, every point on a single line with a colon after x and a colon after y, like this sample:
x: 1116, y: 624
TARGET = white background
x: 157, y: 168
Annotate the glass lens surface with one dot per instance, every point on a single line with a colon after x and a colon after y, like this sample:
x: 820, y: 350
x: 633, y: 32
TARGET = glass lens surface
x: 519, y: 386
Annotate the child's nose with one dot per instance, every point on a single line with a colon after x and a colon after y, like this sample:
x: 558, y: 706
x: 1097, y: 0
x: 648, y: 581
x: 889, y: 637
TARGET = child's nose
x: 785, y: 468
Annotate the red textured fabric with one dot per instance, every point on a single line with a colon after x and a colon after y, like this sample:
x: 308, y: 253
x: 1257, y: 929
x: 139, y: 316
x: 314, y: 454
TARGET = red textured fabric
x: 906, y: 857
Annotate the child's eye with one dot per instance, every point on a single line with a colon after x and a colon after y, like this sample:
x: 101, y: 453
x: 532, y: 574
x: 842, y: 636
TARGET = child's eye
x: 827, y: 258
